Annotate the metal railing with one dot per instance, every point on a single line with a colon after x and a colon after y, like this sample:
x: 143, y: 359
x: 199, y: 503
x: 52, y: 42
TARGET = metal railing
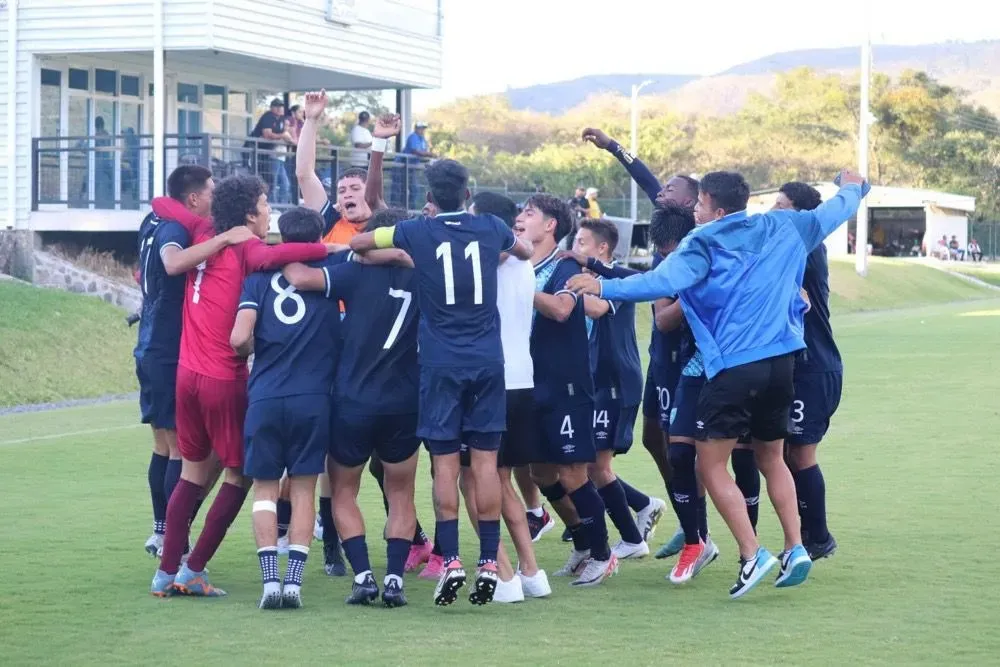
x: 108, y: 172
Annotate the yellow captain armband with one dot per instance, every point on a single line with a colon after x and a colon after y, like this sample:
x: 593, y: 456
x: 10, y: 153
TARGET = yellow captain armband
x: 383, y: 237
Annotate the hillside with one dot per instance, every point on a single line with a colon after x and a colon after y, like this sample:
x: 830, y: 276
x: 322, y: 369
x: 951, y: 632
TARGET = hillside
x: 974, y: 66
x: 55, y: 345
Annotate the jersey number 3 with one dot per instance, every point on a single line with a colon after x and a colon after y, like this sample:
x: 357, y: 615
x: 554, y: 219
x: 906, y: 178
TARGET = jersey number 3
x: 471, y: 253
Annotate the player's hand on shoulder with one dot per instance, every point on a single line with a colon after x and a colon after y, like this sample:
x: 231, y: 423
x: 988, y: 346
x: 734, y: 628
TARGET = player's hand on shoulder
x: 238, y: 234
x: 387, y: 125
x: 315, y: 104
x: 575, y: 256
x: 584, y: 284
x: 597, y: 137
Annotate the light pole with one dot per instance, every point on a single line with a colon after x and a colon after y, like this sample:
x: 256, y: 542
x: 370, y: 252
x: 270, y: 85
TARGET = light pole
x: 635, y: 143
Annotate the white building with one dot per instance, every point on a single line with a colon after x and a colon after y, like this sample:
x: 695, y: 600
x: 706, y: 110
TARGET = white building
x: 101, y: 98
x: 901, y: 221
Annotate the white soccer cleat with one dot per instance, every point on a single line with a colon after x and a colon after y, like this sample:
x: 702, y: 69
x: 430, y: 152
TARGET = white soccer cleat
x: 283, y: 546
x: 596, y: 571
x: 509, y: 591
x: 574, y: 564
x: 536, y: 586
x: 154, y: 545
x: 624, y: 550
x: 318, y: 529
x: 709, y: 555
x: 647, y: 518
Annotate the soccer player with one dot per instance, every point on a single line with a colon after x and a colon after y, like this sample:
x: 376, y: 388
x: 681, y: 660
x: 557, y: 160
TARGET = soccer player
x: 614, y: 361
x: 164, y: 256
x: 738, y: 280
x: 375, y: 403
x: 357, y: 197
x: 818, y: 381
x: 664, y: 346
x: 461, y: 359
x: 515, y: 303
x: 288, y: 416
x: 211, y: 382
x: 564, y: 394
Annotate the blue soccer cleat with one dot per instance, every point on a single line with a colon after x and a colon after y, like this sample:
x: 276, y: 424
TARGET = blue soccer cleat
x: 752, y: 570
x: 795, y: 566
x: 673, y: 546
x: 163, y: 584
x: 189, y: 582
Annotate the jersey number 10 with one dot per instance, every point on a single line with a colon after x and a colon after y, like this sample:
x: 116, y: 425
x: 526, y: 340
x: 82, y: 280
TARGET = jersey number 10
x: 472, y: 253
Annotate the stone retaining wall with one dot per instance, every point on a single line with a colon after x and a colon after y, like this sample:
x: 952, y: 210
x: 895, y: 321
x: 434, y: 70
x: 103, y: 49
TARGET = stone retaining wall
x: 52, y: 271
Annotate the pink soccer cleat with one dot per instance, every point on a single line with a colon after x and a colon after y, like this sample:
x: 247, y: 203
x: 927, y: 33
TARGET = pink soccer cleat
x: 434, y: 568
x: 419, y: 554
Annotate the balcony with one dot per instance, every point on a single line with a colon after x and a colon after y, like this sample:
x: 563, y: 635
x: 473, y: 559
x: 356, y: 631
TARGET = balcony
x: 115, y: 173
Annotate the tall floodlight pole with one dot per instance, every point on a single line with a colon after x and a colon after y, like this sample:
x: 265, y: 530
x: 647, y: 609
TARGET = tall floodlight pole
x: 635, y: 144
x: 861, y: 234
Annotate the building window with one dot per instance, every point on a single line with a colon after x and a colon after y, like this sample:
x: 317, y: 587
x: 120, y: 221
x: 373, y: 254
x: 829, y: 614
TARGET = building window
x: 79, y: 79
x: 187, y: 93
x: 51, y: 77
x: 106, y: 81
x: 130, y: 85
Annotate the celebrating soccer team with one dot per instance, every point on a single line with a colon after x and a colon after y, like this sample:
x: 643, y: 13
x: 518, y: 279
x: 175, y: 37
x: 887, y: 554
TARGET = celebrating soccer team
x: 467, y: 328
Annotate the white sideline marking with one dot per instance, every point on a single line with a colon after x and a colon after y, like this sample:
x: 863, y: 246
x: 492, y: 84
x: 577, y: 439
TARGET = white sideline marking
x: 56, y: 436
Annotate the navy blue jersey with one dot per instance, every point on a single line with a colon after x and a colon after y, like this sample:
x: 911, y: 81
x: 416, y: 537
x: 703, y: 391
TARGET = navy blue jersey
x: 162, y: 295
x: 617, y: 365
x: 560, y: 350
x: 378, y: 372
x: 821, y: 354
x: 296, y: 338
x: 456, y: 257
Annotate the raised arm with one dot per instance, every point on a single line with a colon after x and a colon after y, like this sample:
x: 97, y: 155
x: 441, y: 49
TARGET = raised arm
x: 177, y: 260
x: 313, y: 193
x: 639, y: 172
x: 816, y: 225
x: 386, y: 126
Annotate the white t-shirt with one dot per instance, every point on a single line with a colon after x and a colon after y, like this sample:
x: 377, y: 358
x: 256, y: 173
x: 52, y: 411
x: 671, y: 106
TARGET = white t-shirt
x: 515, y: 301
x: 360, y: 135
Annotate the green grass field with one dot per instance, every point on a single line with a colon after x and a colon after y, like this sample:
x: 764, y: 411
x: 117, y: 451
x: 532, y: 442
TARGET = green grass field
x: 911, y: 467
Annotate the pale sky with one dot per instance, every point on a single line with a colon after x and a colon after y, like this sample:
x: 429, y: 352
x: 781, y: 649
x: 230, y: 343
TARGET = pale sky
x: 490, y: 45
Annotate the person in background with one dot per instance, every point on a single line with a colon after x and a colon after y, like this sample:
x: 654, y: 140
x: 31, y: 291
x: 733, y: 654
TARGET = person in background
x: 296, y: 117
x: 271, y: 128
x: 593, y: 208
x: 361, y: 139
x: 955, y: 249
x: 975, y: 252
x: 416, y: 149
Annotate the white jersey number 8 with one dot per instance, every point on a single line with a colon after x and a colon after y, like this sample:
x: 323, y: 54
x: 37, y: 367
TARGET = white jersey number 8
x: 284, y: 294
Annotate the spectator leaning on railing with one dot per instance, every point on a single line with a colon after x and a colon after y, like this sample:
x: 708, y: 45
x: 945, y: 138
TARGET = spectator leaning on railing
x: 271, y: 128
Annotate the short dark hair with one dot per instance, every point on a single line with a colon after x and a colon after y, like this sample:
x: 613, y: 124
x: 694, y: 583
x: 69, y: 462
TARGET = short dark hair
x: 354, y: 172
x: 448, y: 183
x: 692, y: 184
x: 803, y: 196
x: 99, y: 123
x: 604, y: 230
x: 294, y: 108
x: 728, y: 190
x: 386, y: 217
x: 495, y: 204
x: 300, y: 225
x: 186, y: 179
x: 669, y: 224
x: 363, y: 116
x: 555, y: 208
x: 234, y: 199
x: 277, y: 102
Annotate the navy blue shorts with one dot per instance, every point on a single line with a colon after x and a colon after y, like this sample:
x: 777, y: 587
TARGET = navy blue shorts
x: 817, y: 396
x: 683, y: 414
x: 157, y: 392
x: 566, y: 433
x: 290, y: 433
x: 658, y: 395
x: 462, y: 405
x: 613, y: 423
x: 356, y: 437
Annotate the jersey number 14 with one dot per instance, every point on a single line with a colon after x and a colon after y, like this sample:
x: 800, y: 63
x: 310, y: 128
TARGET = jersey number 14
x: 471, y: 253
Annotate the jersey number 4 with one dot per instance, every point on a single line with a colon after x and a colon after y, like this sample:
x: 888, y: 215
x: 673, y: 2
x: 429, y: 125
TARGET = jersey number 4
x: 471, y: 253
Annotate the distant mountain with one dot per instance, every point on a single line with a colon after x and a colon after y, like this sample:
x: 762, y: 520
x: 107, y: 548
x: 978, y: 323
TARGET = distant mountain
x: 556, y: 98
x: 974, y: 66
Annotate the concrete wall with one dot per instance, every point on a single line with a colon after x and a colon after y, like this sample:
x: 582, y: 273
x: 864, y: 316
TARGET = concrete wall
x: 16, y: 253
x: 52, y: 271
